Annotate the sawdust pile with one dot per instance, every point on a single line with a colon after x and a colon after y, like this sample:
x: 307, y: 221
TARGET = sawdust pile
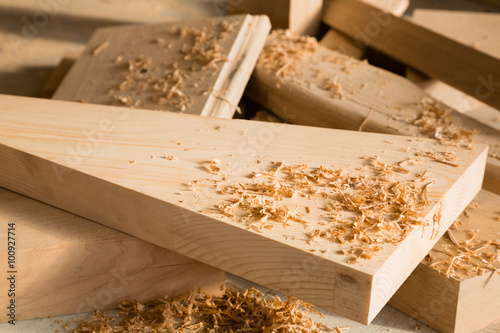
x: 436, y: 122
x: 247, y: 311
x: 284, y: 50
x: 360, y: 211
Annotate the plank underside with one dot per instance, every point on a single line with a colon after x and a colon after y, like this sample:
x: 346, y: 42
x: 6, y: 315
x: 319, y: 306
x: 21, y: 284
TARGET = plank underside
x: 67, y: 264
x: 378, y: 100
x: 204, y: 88
x: 450, y: 304
x: 96, y: 161
x: 458, y: 65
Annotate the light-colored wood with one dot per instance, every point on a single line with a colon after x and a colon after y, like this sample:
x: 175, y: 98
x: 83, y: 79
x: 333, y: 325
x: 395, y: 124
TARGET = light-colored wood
x: 389, y: 318
x: 214, y: 91
x: 470, y: 28
x: 339, y: 42
x: 449, y: 304
x: 396, y: 7
x: 66, y: 264
x: 475, y: 29
x: 302, y: 17
x: 463, y: 67
x: 46, y: 153
x: 31, y: 51
x: 384, y: 102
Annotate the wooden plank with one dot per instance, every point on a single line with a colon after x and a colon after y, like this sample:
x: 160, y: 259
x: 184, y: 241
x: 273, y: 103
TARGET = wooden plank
x: 126, y: 189
x: 195, y: 67
x: 302, y: 17
x: 475, y: 29
x: 470, y: 28
x: 460, y: 66
x: 369, y: 98
x: 66, y: 264
x: 453, y: 304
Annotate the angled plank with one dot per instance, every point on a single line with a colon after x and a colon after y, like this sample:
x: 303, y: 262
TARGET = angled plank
x: 475, y: 29
x: 196, y: 67
x: 91, y: 267
x: 124, y: 178
x: 461, y: 303
x: 463, y: 67
x: 302, y: 17
x: 327, y: 89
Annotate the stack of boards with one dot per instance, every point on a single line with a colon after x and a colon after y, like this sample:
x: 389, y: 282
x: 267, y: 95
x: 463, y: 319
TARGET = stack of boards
x: 148, y: 174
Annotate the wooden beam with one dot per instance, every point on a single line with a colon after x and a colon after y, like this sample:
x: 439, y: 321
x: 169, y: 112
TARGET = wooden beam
x: 164, y: 67
x: 66, y: 264
x: 460, y: 66
x: 106, y: 164
x: 470, y: 28
x: 372, y: 99
x: 451, y: 304
x: 302, y: 17
x: 474, y: 29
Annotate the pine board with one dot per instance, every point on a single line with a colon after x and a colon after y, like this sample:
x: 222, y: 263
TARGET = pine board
x: 66, y: 264
x: 378, y: 100
x: 115, y: 182
x: 458, y: 65
x: 302, y: 17
x: 211, y: 89
x: 451, y: 304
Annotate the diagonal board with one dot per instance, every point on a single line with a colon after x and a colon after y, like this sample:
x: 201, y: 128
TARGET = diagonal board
x: 461, y: 66
x: 328, y: 89
x: 121, y: 168
x: 195, y: 67
x: 66, y: 264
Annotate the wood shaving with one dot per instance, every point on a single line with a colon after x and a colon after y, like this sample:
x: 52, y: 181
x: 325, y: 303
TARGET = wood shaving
x: 363, y: 123
x: 100, y: 47
x: 284, y: 50
x: 333, y: 87
x: 362, y: 212
x: 436, y: 122
x: 441, y: 157
x: 248, y: 311
x: 467, y: 256
x: 164, y: 85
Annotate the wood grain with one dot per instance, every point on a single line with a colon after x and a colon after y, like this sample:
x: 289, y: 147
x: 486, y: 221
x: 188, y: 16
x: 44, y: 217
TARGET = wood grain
x: 382, y: 101
x: 46, y: 154
x: 302, y: 17
x: 66, y: 264
x: 450, y: 304
x: 214, y: 91
x: 463, y: 67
